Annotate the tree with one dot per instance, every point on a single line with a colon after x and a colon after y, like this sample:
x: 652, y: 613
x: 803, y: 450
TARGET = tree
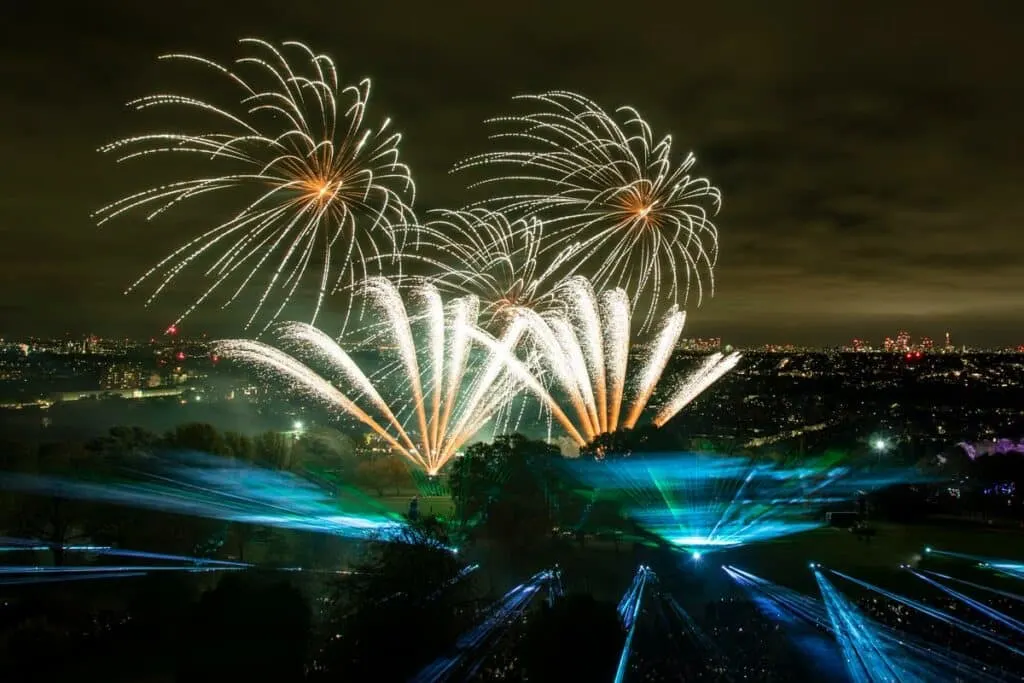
x: 197, y: 436
x: 626, y: 443
x: 382, y: 473
x: 473, y: 483
x: 406, y: 591
x: 53, y: 519
x: 125, y: 444
x: 250, y: 627
x: 510, y: 484
x: 326, y: 448
x: 577, y: 639
x: 240, y: 535
x: 239, y: 446
x: 273, y: 449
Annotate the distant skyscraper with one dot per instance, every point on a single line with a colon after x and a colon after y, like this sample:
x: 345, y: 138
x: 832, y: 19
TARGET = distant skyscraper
x: 122, y: 376
x: 949, y: 343
x: 902, y: 341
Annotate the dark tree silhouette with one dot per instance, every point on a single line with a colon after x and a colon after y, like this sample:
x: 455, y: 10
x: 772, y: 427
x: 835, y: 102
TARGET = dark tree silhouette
x: 273, y: 450
x: 578, y: 639
x: 397, y: 612
x: 510, y: 485
x: 249, y: 628
x: 197, y: 436
x: 55, y: 520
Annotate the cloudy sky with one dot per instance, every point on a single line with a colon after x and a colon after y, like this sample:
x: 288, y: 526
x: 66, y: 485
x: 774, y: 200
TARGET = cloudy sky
x: 870, y: 157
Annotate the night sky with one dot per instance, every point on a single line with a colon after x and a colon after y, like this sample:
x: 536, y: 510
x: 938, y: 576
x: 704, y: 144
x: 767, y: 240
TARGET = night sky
x: 870, y: 158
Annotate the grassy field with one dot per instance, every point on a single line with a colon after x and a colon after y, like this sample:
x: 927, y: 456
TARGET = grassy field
x: 787, y: 560
x: 604, y: 570
x: 429, y: 505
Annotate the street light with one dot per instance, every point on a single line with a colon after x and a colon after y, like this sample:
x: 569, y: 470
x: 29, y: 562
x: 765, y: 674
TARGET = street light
x: 881, y: 446
x: 297, y: 426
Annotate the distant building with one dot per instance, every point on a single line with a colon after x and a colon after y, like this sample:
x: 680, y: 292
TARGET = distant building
x: 121, y: 393
x: 123, y: 376
x: 902, y: 341
x: 700, y: 345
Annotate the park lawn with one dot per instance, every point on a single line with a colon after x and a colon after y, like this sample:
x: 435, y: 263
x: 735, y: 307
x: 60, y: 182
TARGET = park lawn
x: 787, y: 560
x: 429, y: 505
x: 605, y: 570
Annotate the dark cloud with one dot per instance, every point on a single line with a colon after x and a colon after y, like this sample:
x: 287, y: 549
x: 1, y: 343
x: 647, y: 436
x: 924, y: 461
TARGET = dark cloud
x: 869, y: 153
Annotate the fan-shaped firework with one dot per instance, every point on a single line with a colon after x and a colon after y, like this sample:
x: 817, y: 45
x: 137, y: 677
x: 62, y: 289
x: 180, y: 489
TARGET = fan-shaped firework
x: 585, y: 350
x: 485, y: 254
x: 601, y: 181
x: 441, y: 395
x: 318, y: 189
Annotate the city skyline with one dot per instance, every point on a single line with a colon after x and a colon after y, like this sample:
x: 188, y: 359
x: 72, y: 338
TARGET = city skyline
x: 890, y: 342
x: 860, y: 195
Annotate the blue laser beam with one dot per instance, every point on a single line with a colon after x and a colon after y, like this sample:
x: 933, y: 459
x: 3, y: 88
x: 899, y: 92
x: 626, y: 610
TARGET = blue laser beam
x: 629, y: 609
x: 703, y: 502
x: 219, y: 488
x: 994, y: 614
x: 937, y: 614
x: 917, y: 660
x: 512, y: 604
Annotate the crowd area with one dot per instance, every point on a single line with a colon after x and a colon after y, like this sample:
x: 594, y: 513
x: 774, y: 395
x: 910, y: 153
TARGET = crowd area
x: 733, y: 640
x: 947, y: 637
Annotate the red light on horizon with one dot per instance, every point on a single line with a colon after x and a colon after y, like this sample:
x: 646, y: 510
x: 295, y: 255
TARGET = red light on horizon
x: 180, y: 355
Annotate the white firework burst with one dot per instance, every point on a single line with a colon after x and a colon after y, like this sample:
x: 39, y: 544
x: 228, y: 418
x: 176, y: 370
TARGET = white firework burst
x: 485, y: 254
x: 585, y: 351
x: 606, y: 187
x: 436, y: 391
x: 318, y: 190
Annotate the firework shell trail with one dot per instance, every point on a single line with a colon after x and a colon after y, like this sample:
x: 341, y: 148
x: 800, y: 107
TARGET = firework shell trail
x: 319, y: 199
x: 448, y: 381
x: 608, y: 189
x: 585, y: 351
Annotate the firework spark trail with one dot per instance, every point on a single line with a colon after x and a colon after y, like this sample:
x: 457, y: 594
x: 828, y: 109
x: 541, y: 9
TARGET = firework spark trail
x: 320, y: 181
x: 586, y: 360
x: 713, y: 369
x: 527, y: 378
x: 448, y: 395
x: 488, y: 255
x: 660, y: 355
x: 609, y: 191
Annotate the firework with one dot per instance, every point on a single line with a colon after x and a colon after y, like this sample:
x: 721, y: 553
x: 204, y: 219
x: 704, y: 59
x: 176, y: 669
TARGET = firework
x: 585, y: 351
x: 607, y: 188
x: 435, y: 396
x: 485, y: 254
x: 322, y: 196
